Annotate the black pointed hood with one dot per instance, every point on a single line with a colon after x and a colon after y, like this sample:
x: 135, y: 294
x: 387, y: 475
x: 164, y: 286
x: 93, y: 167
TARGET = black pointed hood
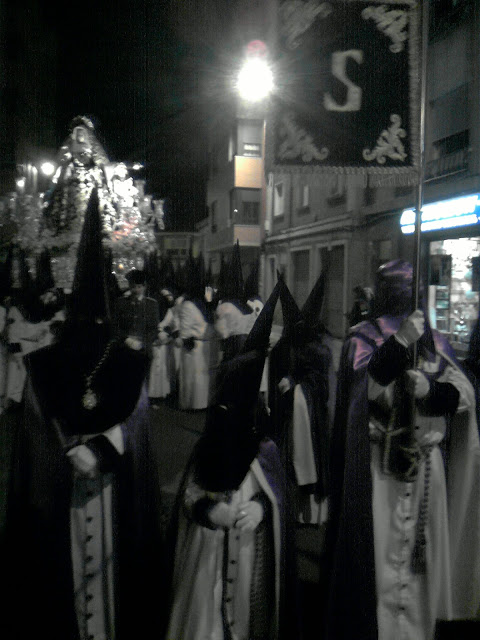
x: 209, y: 274
x: 302, y: 326
x: 251, y: 283
x: 167, y: 276
x: 231, y: 286
x: 89, y: 299
x: 222, y: 276
x: 6, y: 275
x: 290, y: 310
x: 235, y: 423
x: 312, y: 309
x: 194, y: 279
x: 152, y: 279
x: 44, y: 279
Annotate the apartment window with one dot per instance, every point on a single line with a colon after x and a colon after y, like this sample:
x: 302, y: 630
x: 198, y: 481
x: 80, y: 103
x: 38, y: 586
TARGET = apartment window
x: 452, y: 144
x: 233, y: 207
x: 450, y: 113
x: 250, y: 137
x: 245, y: 206
x: 305, y: 196
x: 279, y: 199
x: 337, y: 192
x: 250, y: 212
x: 403, y: 191
x: 213, y: 216
x: 231, y: 148
x: 369, y: 196
x: 450, y: 156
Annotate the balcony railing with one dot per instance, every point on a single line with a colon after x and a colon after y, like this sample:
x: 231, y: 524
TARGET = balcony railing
x: 448, y: 164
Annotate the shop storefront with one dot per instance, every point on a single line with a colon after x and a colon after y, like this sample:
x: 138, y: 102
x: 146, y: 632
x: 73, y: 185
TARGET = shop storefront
x: 451, y: 241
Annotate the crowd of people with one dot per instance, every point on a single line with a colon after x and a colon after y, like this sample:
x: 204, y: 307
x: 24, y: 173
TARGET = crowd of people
x: 382, y: 451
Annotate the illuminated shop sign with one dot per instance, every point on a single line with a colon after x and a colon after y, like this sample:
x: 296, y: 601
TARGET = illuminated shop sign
x: 448, y: 214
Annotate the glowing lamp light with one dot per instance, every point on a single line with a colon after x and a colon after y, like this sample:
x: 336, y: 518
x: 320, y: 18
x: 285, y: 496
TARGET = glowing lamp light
x: 255, y: 80
x: 448, y: 214
x: 21, y: 183
x: 47, y: 168
x: 137, y: 166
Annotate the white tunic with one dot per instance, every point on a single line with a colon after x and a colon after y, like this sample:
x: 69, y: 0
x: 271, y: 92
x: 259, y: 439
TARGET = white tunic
x: 409, y: 604
x: 30, y: 336
x: 93, y: 548
x: 162, y: 368
x: 195, y: 364
x: 199, y: 565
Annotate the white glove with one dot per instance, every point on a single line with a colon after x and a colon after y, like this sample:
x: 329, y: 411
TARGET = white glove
x: 222, y: 515
x: 249, y: 515
x: 284, y: 385
x: 133, y: 343
x: 417, y: 384
x: 178, y: 342
x: 163, y: 337
x: 83, y: 460
x: 411, y: 329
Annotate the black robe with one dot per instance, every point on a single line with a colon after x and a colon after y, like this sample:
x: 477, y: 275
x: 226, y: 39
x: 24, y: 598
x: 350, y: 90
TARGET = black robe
x: 35, y: 553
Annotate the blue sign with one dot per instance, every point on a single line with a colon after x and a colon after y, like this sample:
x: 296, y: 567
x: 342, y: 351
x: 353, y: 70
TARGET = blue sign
x: 447, y: 214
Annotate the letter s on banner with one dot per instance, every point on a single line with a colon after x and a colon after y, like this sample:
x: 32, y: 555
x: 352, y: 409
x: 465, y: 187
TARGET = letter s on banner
x: 354, y: 93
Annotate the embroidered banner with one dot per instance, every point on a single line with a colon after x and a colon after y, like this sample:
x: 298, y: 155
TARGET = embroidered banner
x: 348, y: 85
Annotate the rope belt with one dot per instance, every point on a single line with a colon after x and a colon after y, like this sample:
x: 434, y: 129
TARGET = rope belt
x: 382, y: 435
x: 419, y: 559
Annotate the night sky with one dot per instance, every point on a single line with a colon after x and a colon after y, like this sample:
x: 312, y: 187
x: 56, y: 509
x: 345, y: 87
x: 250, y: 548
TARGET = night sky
x: 152, y: 77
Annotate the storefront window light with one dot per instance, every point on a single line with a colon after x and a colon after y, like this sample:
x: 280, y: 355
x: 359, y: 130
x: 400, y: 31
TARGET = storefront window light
x: 457, y: 212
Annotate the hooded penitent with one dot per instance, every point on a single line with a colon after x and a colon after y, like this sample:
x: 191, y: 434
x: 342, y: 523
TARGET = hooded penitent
x: 233, y: 317
x: 301, y: 327
x: 42, y: 538
x: 22, y: 287
x: 235, y: 420
x: 194, y: 283
x: 251, y: 283
x: 152, y: 275
x: 231, y: 285
x: 222, y: 277
x: 167, y: 277
x: 44, y: 279
x: 87, y: 348
x: 302, y: 357
x: 361, y: 601
x: 207, y: 590
x: 393, y: 297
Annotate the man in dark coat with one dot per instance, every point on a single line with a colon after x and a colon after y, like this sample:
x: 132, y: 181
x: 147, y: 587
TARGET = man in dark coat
x: 80, y: 553
x: 136, y: 315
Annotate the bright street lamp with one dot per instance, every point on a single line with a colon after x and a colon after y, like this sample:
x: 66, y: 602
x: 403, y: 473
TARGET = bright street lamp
x: 47, y: 168
x: 255, y: 80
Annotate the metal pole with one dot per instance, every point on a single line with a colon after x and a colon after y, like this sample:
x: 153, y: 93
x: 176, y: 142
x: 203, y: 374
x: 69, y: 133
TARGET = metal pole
x: 421, y: 167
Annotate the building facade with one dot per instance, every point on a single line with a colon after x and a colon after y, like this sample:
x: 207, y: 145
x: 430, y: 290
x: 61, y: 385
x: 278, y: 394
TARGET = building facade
x: 351, y: 225
x: 299, y: 223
